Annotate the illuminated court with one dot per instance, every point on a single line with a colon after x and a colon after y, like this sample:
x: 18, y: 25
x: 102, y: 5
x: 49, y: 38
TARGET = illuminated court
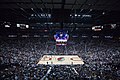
x: 61, y: 60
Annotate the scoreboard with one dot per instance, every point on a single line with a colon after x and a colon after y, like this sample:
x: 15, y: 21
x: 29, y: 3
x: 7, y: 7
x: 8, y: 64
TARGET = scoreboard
x: 61, y: 38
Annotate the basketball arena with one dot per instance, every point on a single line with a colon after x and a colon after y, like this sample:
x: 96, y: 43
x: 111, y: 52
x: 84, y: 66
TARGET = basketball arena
x: 60, y: 40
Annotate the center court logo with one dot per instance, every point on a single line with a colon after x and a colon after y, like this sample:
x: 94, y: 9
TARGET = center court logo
x: 61, y: 59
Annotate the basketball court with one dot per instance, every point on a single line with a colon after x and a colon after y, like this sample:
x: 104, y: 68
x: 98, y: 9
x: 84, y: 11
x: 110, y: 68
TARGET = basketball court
x: 61, y: 60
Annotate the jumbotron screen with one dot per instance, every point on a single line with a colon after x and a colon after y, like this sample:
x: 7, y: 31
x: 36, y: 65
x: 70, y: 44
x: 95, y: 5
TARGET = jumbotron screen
x: 61, y: 38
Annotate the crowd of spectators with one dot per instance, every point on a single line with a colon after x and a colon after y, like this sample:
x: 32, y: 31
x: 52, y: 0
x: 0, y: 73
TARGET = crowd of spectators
x: 19, y: 57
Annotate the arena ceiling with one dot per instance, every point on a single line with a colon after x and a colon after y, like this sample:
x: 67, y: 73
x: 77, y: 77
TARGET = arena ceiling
x: 60, y: 12
x: 66, y: 4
